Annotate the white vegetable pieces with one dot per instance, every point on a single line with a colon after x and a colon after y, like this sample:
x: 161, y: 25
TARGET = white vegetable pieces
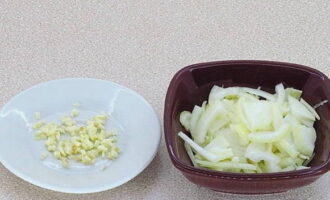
x: 68, y: 141
x: 252, y: 131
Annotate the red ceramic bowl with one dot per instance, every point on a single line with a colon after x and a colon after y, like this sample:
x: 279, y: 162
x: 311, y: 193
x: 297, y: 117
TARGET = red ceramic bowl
x: 192, y: 84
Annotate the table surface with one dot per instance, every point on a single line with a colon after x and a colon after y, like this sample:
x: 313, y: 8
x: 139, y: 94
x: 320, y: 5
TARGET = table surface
x: 141, y: 44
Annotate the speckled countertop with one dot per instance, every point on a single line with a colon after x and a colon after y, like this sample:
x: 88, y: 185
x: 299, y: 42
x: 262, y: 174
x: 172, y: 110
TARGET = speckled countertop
x: 141, y: 44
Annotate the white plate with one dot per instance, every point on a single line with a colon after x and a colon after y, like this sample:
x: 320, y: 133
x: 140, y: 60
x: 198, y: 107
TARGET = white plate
x: 130, y: 114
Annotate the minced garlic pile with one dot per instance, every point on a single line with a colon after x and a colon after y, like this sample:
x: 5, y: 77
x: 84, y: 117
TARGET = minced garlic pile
x: 69, y: 141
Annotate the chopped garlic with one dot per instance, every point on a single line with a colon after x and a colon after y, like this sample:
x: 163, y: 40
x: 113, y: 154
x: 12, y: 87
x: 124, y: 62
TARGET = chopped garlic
x: 37, y: 115
x: 38, y: 125
x: 43, y: 156
x: 74, y: 113
x: 83, y: 144
x: 65, y: 163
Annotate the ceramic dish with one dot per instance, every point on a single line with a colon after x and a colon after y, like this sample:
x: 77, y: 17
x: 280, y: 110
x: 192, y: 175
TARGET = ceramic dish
x: 130, y: 114
x: 191, y: 85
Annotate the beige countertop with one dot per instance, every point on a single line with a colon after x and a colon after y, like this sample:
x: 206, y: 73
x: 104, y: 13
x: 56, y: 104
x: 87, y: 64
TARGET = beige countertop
x: 141, y: 44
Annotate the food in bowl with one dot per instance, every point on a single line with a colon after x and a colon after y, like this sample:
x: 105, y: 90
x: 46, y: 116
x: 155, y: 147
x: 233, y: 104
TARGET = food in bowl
x: 191, y: 86
x: 248, y: 130
x: 69, y: 141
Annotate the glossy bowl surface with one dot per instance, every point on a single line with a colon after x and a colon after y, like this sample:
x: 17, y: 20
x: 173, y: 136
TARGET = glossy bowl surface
x: 191, y: 86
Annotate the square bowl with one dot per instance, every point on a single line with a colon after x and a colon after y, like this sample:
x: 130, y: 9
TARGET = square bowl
x: 191, y: 86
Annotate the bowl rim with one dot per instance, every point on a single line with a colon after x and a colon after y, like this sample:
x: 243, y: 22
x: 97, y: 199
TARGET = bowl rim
x: 313, y: 171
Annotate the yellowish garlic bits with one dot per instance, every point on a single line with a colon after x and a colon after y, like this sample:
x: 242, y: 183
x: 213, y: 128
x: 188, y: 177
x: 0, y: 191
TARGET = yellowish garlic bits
x: 69, y: 141
x: 37, y: 115
x: 74, y: 113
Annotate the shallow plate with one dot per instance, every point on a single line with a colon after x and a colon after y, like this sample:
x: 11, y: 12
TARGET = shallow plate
x: 130, y: 114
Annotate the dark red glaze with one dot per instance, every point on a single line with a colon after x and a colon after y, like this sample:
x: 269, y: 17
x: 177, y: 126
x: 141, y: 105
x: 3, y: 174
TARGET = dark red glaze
x: 191, y: 86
